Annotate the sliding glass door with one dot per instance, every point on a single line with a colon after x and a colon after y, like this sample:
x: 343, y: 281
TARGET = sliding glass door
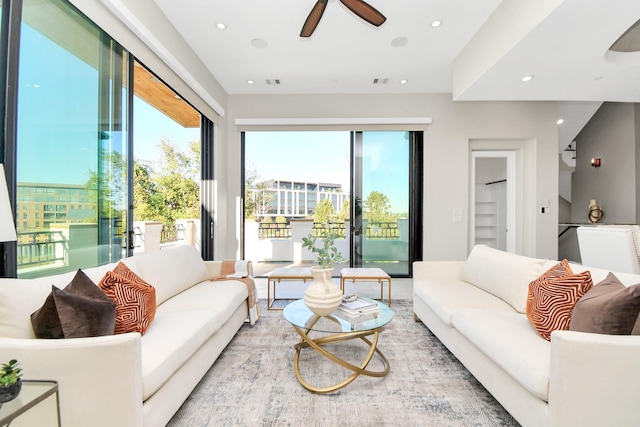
x: 381, y: 181
x: 71, y: 198
x: 365, y: 187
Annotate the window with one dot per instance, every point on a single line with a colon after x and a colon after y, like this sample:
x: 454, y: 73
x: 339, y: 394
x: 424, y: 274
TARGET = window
x: 71, y: 119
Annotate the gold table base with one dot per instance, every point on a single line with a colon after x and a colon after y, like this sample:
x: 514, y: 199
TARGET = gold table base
x: 317, y: 344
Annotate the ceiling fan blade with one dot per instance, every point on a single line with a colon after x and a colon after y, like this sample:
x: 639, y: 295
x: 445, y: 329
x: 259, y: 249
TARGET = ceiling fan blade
x: 365, y: 11
x: 313, y: 19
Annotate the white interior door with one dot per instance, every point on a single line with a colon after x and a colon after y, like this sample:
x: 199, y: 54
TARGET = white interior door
x: 492, y: 209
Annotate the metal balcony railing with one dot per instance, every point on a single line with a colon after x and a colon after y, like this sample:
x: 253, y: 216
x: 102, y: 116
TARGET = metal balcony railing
x: 172, y: 233
x: 41, y: 248
x: 274, y: 230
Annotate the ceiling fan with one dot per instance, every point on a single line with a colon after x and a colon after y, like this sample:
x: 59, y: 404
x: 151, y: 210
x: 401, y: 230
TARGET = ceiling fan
x: 359, y: 7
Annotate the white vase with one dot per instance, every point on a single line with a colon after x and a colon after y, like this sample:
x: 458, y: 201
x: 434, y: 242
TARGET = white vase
x: 322, y: 296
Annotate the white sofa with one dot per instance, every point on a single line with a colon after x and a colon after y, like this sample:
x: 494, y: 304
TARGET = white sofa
x: 576, y: 379
x: 129, y: 380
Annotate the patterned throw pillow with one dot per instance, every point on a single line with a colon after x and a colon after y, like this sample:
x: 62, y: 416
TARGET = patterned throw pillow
x: 135, y: 299
x: 552, y: 297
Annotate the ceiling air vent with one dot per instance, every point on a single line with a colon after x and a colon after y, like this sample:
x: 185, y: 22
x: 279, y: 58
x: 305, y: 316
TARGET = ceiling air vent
x: 380, y: 81
x: 273, y: 81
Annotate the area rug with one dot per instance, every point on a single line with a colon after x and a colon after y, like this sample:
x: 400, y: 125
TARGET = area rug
x: 253, y: 382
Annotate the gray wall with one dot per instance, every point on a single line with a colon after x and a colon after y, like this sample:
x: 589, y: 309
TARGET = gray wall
x: 611, y: 136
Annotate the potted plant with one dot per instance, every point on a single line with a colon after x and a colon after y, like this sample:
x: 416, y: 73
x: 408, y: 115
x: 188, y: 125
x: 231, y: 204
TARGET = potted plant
x: 323, y: 296
x: 328, y: 254
x: 10, y: 381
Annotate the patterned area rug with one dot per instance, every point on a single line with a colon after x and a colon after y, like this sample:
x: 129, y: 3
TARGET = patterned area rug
x: 253, y: 383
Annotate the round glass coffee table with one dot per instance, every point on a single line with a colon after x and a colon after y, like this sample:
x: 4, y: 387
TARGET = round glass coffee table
x: 335, y: 329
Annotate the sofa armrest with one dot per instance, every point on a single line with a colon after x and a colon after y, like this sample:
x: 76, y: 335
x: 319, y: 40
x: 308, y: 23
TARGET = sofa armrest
x: 440, y: 270
x: 595, y: 379
x: 215, y: 267
x: 99, y: 378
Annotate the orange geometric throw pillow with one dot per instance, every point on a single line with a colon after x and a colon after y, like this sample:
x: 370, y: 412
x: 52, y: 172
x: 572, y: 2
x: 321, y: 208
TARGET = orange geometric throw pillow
x: 552, y: 297
x: 135, y: 299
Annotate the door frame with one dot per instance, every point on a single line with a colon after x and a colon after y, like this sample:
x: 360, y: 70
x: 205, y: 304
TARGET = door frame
x: 510, y: 157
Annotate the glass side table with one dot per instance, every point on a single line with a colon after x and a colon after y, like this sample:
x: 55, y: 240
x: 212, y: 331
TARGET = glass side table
x: 32, y: 393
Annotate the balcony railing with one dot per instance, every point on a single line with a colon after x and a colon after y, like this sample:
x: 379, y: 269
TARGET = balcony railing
x: 274, y: 230
x: 323, y: 229
x: 172, y: 233
x: 41, y: 248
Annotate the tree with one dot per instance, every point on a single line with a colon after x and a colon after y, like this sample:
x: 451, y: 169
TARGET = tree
x: 379, y: 207
x: 257, y: 197
x: 345, y: 212
x: 325, y: 212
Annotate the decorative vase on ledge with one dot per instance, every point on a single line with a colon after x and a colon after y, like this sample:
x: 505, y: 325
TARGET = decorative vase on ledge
x: 322, y: 296
x: 595, y: 211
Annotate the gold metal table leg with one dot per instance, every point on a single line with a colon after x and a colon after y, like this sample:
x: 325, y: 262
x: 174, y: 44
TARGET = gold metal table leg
x: 318, y: 343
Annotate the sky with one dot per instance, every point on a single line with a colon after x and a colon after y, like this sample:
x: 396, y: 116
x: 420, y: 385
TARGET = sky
x: 58, y: 123
x: 324, y: 156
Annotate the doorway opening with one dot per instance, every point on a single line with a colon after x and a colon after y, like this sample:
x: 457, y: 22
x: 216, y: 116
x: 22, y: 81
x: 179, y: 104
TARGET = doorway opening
x: 492, y: 206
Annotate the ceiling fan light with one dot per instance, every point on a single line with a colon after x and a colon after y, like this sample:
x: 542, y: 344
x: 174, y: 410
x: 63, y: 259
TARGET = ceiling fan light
x: 221, y: 26
x: 436, y: 24
x: 527, y: 78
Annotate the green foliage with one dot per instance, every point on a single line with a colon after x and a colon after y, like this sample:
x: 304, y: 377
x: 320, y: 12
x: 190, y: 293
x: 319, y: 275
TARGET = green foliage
x: 379, y: 207
x: 328, y: 254
x: 171, y: 189
x: 325, y: 212
x: 345, y: 211
x: 281, y: 220
x: 257, y: 198
x: 267, y: 220
x: 10, y: 372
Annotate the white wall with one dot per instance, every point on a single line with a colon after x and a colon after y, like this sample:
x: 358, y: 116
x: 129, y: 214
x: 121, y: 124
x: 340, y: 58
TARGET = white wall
x: 447, y: 139
x: 446, y: 178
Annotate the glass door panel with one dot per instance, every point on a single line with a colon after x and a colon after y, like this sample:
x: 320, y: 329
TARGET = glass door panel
x: 381, y: 201
x: 71, y: 196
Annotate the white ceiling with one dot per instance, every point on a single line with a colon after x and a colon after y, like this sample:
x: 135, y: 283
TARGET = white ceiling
x: 564, y: 43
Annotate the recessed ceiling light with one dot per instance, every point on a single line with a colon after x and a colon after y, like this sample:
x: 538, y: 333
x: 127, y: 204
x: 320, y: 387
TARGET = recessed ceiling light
x: 527, y: 78
x: 259, y: 43
x: 560, y: 121
x: 250, y: 82
x: 399, y: 41
x: 221, y: 26
x: 403, y: 81
x: 436, y: 24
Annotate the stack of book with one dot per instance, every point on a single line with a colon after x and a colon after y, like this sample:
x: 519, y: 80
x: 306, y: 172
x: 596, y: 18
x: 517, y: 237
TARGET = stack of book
x: 357, y: 311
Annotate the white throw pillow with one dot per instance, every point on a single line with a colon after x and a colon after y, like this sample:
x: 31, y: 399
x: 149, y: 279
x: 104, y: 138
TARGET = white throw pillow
x: 502, y: 274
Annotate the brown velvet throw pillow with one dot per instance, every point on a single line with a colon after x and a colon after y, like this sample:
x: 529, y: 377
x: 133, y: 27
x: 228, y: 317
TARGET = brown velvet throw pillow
x: 79, y: 310
x: 608, y: 308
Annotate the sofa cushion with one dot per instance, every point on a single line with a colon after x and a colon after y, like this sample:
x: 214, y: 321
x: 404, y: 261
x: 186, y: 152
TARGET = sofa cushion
x: 170, y: 271
x: 509, y: 341
x: 502, y: 274
x: 18, y: 299
x: 445, y: 297
x: 553, y: 298
x: 79, y: 310
x: 135, y: 299
x: 607, y: 308
x: 182, y: 325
